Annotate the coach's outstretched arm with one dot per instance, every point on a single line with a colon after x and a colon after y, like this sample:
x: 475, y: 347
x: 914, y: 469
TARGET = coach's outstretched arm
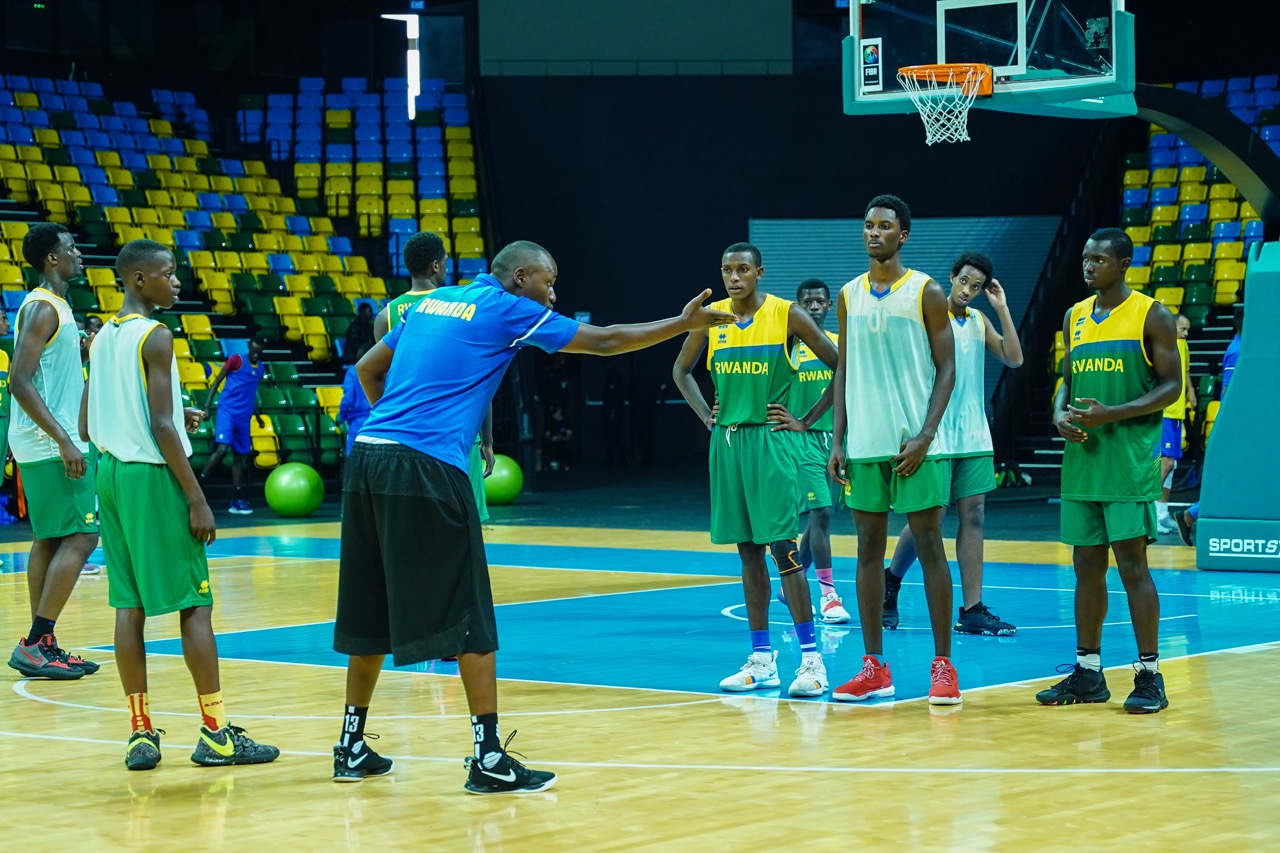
x: 615, y: 340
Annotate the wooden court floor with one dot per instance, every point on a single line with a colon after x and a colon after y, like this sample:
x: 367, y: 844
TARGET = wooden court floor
x: 613, y: 643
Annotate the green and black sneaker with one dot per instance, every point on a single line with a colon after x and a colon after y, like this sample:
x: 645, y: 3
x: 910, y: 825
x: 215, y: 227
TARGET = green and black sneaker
x: 143, y: 751
x: 1080, y: 687
x: 1148, y: 693
x: 230, y: 745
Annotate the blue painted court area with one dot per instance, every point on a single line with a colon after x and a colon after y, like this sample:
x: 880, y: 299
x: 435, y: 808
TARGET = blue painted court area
x: 687, y: 639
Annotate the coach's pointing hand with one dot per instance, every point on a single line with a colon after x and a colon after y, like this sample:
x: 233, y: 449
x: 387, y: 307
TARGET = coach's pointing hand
x: 698, y: 316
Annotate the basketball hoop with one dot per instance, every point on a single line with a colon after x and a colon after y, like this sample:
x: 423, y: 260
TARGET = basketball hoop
x: 943, y: 95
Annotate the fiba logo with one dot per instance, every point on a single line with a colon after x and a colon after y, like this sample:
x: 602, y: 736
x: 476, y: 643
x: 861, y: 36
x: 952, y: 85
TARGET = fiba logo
x: 871, y: 55
x: 872, y: 80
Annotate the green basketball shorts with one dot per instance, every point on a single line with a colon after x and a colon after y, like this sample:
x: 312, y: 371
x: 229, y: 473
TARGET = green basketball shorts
x: 873, y: 487
x: 59, y: 506
x: 972, y: 475
x: 156, y: 564
x: 813, y: 449
x: 475, y: 471
x: 754, y: 492
x: 1101, y: 523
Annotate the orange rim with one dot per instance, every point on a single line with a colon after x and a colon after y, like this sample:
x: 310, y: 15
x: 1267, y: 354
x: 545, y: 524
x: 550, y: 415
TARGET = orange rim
x: 969, y: 75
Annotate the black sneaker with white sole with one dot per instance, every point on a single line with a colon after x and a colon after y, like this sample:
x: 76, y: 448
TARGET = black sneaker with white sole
x: 979, y: 620
x: 356, y: 762
x: 506, y: 776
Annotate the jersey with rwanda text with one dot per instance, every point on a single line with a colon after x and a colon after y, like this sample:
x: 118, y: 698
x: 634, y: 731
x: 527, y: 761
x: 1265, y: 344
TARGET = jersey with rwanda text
x: 749, y: 364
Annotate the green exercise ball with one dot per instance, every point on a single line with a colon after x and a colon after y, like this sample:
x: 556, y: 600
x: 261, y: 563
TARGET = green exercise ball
x: 504, y: 484
x: 294, y: 490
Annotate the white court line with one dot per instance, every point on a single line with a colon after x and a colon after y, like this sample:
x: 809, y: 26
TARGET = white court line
x: 750, y: 768
x: 729, y: 612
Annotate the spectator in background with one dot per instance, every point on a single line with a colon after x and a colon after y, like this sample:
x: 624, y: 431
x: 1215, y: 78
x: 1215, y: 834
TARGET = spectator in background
x: 231, y: 427
x: 355, y: 408
x: 1186, y: 520
x: 359, y: 333
x: 557, y: 440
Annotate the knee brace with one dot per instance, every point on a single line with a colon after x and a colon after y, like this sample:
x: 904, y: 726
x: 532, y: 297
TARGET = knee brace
x: 784, y: 555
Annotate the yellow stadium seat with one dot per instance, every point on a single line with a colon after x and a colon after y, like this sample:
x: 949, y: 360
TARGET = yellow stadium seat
x: 198, y: 148
x: 401, y: 207
x: 162, y: 235
x: 197, y: 327
x: 1135, y: 277
x: 356, y: 264
x: 306, y: 263
x: 256, y: 168
x: 47, y: 137
x: 293, y: 243
x: 434, y: 224
x: 469, y: 246
x: 1164, y: 255
x: 172, y: 180
x: 186, y: 165
x: 299, y: 285
x: 8, y: 152
x: 1228, y: 270
x: 11, y: 277
x: 1197, y: 251
x: 338, y: 169
x: 1233, y: 250
x: 1170, y: 297
x: 376, y: 287
x: 1136, y: 178
x: 266, y: 242
x: 462, y: 167
x: 159, y: 198
x: 337, y: 118
x: 181, y: 349
x: 322, y: 225
x: 171, y: 218
x: 108, y: 159
x: 1224, y: 192
x: 460, y: 148
x: 1248, y: 212
x: 314, y: 244
x: 110, y: 300
x: 266, y: 445
x: 285, y: 206
x: 247, y: 185
x: 270, y: 186
x: 451, y: 133
x: 350, y: 286
x: 369, y: 186
x: 1164, y: 177
x: 1164, y: 214
x: 1192, y: 174
x: 228, y: 261
x: 200, y: 259
x: 1226, y: 293
x: 214, y: 280
x: 255, y: 262
x: 1190, y: 193
x: 191, y: 375
x: 30, y: 153
x: 466, y: 225
x: 121, y: 179
x: 433, y: 207
x: 159, y: 163
x: 331, y: 264
x: 462, y: 187
x: 26, y: 100
x: 184, y: 199
x: 368, y: 169
x: 38, y: 172
x: 77, y: 195
x: 160, y: 127
x: 129, y: 233
x: 1223, y: 211
x: 221, y: 184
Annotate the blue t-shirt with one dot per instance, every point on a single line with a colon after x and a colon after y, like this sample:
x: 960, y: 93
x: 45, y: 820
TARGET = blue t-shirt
x: 1229, y: 360
x: 240, y: 391
x: 451, y: 351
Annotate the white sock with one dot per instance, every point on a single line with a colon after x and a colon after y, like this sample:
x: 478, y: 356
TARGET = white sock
x: 1162, y: 510
x: 1093, y: 662
x: 1150, y: 665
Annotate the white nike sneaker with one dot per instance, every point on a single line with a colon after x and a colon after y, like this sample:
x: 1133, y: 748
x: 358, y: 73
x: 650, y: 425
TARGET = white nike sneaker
x: 1166, y: 524
x: 833, y: 612
x: 760, y: 672
x: 811, y: 677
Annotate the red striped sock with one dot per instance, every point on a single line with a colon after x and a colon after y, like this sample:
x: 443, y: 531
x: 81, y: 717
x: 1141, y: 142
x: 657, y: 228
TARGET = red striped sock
x: 140, y: 712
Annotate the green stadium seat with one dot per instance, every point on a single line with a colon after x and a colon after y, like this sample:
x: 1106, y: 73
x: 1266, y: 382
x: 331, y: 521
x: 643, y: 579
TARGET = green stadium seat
x: 249, y: 222
x: 465, y: 207
x: 272, y: 401
x: 331, y: 442
x: 1197, y: 314
x: 201, y: 441
x: 1169, y: 275
x: 1198, y: 293
x: 82, y: 299
x: 283, y: 373
x: 240, y: 241
x: 207, y: 350
x: 171, y: 321
x: 1133, y: 216
x: 272, y: 285
x: 1164, y: 234
x: 316, y: 306
x: 90, y: 215
x: 302, y: 400
x: 310, y: 207
x: 245, y: 282
x: 323, y: 284
x: 295, y: 439
x: 1136, y: 160
x: 337, y: 327
x: 214, y: 241
x: 1197, y: 272
x: 397, y: 286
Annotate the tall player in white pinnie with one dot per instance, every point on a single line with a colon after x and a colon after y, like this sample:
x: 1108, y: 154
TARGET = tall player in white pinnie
x: 965, y: 438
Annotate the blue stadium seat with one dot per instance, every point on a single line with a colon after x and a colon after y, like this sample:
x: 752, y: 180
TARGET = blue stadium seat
x: 399, y: 152
x: 17, y: 82
x: 91, y: 90
x: 1136, y: 197
x: 1194, y: 213
x: 280, y: 115
x: 35, y: 118
x: 281, y: 263
x: 1164, y: 195
x: 20, y: 134
x: 339, y: 101
x: 429, y: 149
x: 307, y: 153
x: 431, y: 166
x: 113, y: 124
x: 1226, y: 232
x: 1163, y: 140
x: 162, y: 96
x: 433, y: 84
x: 88, y: 121
x: 1239, y: 99
x: 368, y: 115
x: 456, y: 117
x: 1162, y: 158
x: 99, y: 139
x: 1190, y: 157
x: 13, y: 301
x: 354, y: 84
x: 53, y: 103
x: 148, y: 144
x: 307, y: 133
x: 402, y: 226
x: 309, y: 115
x: 310, y: 100
x: 1267, y: 99
x: 1274, y: 145
x: 280, y: 102
x: 188, y: 241
x: 134, y: 161
x: 173, y: 146
x: 105, y: 196
x: 73, y: 139
x: 340, y: 246
x: 89, y: 173
x: 368, y: 133
x: 1248, y: 115
x: 397, y: 131
x: 1239, y: 84
x: 299, y: 225
x: 42, y: 84
x: 237, y: 203
x: 428, y: 133
x: 338, y: 152
x: 471, y: 267
x: 1141, y: 258
x: 210, y: 201
x: 1270, y: 132
x: 1213, y: 88
x: 310, y: 84
x: 431, y: 186
x: 278, y: 138
x: 368, y: 152
x: 1266, y: 82
x: 67, y: 87
x: 198, y: 220
x: 232, y: 168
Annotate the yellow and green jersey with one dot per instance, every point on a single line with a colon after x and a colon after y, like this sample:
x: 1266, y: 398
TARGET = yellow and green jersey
x: 1178, y: 408
x: 812, y: 379
x: 749, y: 363
x: 402, y: 303
x: 1120, y: 461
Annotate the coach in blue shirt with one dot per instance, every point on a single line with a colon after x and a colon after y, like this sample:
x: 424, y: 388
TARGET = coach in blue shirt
x: 413, y: 580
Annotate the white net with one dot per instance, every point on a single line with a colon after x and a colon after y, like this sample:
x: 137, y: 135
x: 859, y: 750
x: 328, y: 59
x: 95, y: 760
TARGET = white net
x: 943, y: 99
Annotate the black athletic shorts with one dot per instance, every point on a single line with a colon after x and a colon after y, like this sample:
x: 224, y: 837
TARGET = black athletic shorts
x: 413, y: 581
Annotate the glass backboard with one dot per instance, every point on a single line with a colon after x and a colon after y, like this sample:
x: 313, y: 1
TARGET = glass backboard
x: 1050, y: 57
